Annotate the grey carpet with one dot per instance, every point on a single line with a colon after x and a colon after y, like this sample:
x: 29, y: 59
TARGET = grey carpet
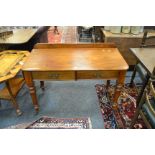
x: 62, y: 99
x: 70, y: 99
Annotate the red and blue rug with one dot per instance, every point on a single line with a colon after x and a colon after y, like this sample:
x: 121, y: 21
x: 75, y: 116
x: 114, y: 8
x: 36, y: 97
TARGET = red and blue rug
x: 126, y: 107
x: 54, y: 38
x: 61, y: 123
x: 56, y: 123
x: 67, y: 34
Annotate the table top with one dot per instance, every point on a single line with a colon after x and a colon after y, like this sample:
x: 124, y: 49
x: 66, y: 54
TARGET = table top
x: 19, y: 36
x: 146, y: 56
x: 125, y: 35
x: 75, y: 59
x: 16, y: 67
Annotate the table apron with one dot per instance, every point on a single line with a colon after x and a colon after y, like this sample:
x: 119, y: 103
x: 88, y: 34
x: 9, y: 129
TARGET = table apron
x: 97, y: 74
x: 74, y: 75
x: 53, y: 75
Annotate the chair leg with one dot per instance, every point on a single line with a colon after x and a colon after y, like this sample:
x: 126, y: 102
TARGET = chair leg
x: 13, y: 99
x: 42, y: 86
x: 134, y: 118
x: 137, y: 111
x: 0, y: 104
x: 132, y: 78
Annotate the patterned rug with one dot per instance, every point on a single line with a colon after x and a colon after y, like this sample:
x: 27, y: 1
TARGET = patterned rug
x: 126, y: 105
x: 56, y: 123
x: 54, y: 38
x: 67, y: 34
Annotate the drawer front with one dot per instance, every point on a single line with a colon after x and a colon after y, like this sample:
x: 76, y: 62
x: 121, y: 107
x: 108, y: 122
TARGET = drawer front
x: 97, y: 74
x: 54, y: 75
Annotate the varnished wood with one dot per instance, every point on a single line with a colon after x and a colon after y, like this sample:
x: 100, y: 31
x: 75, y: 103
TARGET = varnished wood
x: 16, y: 68
x: 11, y: 90
x: 29, y: 82
x: 13, y: 85
x: 12, y: 98
x: 54, y: 75
x: 8, y: 61
x: 75, y: 59
x: 78, y: 45
x: 118, y: 89
x: 19, y: 36
x: 97, y: 74
x: 93, y: 61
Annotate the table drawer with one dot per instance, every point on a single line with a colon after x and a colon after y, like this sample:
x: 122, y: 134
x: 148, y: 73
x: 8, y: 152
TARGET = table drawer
x: 54, y: 75
x: 97, y: 74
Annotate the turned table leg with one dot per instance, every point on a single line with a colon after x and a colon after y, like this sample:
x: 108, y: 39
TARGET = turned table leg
x: 30, y: 84
x: 107, y: 84
x: 12, y: 98
x: 42, y: 86
x: 118, y: 89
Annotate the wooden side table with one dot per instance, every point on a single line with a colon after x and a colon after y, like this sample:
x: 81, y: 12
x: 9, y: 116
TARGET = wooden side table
x: 13, y: 85
x: 74, y: 62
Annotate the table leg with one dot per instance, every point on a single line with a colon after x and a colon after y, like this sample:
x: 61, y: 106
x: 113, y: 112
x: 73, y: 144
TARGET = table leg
x: 108, y: 84
x: 118, y: 89
x: 30, y: 84
x: 13, y: 98
x: 42, y: 86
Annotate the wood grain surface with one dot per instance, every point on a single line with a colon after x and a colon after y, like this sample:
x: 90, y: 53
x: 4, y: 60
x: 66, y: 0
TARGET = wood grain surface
x: 76, y: 59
